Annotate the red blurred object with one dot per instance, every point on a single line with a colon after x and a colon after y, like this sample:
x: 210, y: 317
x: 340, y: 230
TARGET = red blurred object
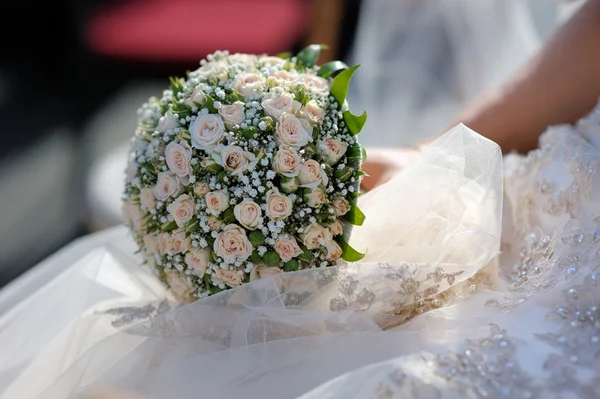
x: 187, y: 30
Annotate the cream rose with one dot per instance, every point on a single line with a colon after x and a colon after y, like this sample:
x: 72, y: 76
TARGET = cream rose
x: 287, y: 247
x: 178, y: 284
x: 314, y: 83
x: 198, y: 259
x: 290, y: 132
x: 201, y: 189
x: 335, y: 227
x: 197, y: 97
x: 167, y: 186
x: 180, y: 242
x: 315, y: 197
x: 283, y: 77
x: 232, y: 244
x: 316, y: 235
x: 217, y: 202
x: 273, y: 61
x: 166, y: 122
x: 334, y: 251
x: 232, y: 114
x: 178, y: 158
x: 229, y: 277
x: 312, y: 112
x: 287, y: 161
x: 279, y: 206
x: 207, y: 131
x: 165, y: 244
x: 234, y: 159
x: 311, y: 174
x: 182, y: 209
x: 147, y: 199
x: 277, y: 104
x: 341, y: 205
x: 262, y: 271
x: 151, y: 243
x: 248, y: 83
x: 132, y: 215
x: 214, y: 68
x: 248, y: 213
x: 214, y: 223
x: 247, y: 59
x: 332, y: 150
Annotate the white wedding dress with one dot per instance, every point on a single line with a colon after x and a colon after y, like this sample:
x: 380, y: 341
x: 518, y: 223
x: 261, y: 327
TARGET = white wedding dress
x: 469, y: 289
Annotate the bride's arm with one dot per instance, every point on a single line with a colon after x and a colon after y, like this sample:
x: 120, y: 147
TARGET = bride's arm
x: 559, y: 85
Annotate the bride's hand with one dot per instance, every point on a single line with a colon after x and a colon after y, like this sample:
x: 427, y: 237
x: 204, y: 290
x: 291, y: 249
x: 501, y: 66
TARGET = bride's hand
x: 383, y: 164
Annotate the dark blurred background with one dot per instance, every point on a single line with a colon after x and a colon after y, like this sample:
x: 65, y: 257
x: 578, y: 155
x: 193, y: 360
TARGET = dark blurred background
x: 74, y: 72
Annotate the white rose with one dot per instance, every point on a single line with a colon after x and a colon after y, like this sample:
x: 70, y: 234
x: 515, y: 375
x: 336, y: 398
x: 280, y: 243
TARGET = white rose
x: 214, y: 68
x: 311, y: 174
x: 229, y: 277
x: 273, y: 61
x: 165, y: 244
x: 151, y: 243
x: 207, y: 131
x: 341, y: 205
x: 316, y: 235
x: 248, y: 83
x: 180, y: 242
x: 279, y: 206
x: 290, y: 132
x: 287, y: 247
x: 262, y: 271
x: 315, y: 197
x: 248, y: 213
x: 232, y: 114
x: 335, y: 227
x: 167, y: 122
x: 283, y: 77
x: 277, y: 104
x: 182, y: 209
x: 167, y: 186
x: 201, y: 189
x: 214, y: 223
x: 314, y: 83
x: 132, y: 215
x: 178, y: 284
x: 147, y: 199
x: 234, y: 159
x: 198, y: 259
x: 232, y: 244
x: 217, y: 202
x: 313, y: 112
x: 178, y: 158
x: 287, y: 161
x: 247, y: 59
x: 332, y: 150
x: 197, y: 97
x: 334, y: 251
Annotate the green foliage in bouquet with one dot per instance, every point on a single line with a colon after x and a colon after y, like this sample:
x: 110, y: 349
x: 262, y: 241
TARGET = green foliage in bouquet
x: 246, y: 168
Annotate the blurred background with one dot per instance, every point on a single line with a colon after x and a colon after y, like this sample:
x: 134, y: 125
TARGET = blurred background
x: 73, y: 73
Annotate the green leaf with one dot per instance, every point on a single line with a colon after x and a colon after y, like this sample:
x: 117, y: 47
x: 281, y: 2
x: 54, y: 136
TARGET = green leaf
x: 331, y: 67
x: 168, y: 226
x: 339, y: 87
x: 356, y: 153
x: 355, y: 216
x: 228, y: 216
x: 285, y: 55
x: 209, y: 103
x: 271, y: 258
x: 309, y: 55
x: 256, y: 238
x: 349, y: 254
x: 291, y: 266
x: 355, y: 123
x: 176, y: 85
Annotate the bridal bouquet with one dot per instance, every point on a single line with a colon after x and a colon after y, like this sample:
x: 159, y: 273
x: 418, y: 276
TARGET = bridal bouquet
x: 247, y: 168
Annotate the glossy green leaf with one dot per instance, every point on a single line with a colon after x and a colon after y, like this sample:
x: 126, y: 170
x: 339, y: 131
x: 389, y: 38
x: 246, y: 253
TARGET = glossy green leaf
x: 331, y: 67
x: 285, y: 55
x: 355, y: 216
x: 210, y: 104
x: 356, y: 153
x: 309, y: 55
x: 339, y: 87
x: 355, y: 123
x: 349, y: 254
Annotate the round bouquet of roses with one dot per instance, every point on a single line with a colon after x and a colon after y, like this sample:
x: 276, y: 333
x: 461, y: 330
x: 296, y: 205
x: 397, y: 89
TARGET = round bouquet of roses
x: 247, y: 168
